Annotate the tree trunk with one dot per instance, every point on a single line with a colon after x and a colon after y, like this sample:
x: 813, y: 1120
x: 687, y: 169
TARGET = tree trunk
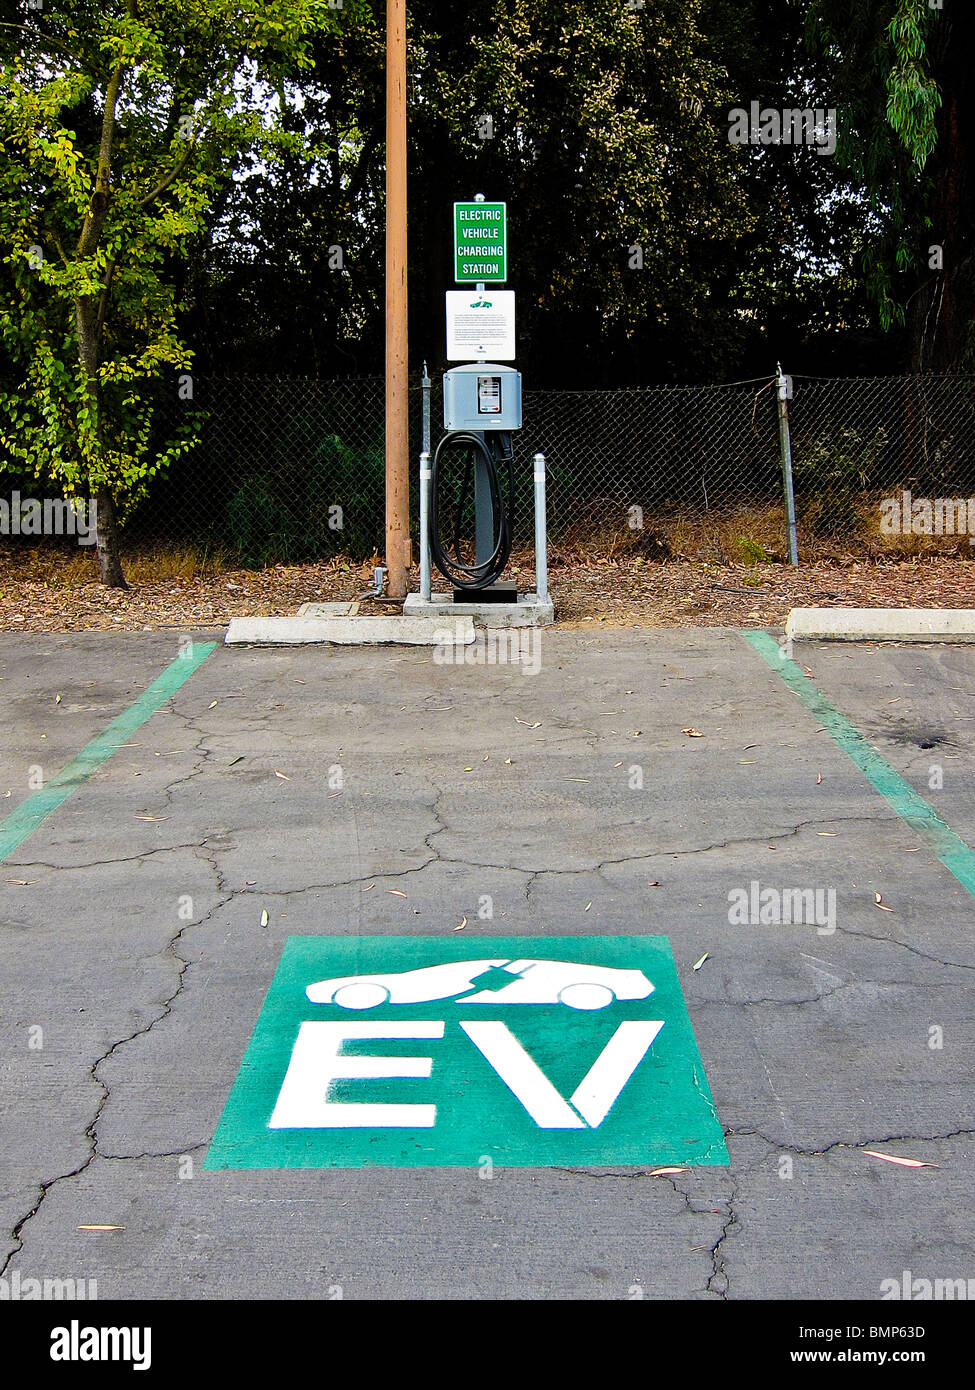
x: 89, y: 317
x: 106, y: 525
x: 106, y: 541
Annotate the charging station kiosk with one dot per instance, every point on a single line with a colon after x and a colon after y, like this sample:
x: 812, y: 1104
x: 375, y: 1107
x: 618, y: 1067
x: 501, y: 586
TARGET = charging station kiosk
x: 482, y: 409
x: 482, y: 395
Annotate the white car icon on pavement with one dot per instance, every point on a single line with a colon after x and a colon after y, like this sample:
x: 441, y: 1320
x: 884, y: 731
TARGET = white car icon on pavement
x: 498, y: 981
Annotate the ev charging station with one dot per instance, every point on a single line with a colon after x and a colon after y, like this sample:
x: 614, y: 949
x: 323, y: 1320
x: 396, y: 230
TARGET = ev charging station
x: 482, y: 412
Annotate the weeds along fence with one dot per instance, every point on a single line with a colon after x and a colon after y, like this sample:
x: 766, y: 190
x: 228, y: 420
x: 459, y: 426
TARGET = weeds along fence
x: 293, y: 468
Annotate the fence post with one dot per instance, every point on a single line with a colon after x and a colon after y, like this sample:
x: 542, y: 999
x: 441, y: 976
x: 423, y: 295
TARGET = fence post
x: 785, y: 445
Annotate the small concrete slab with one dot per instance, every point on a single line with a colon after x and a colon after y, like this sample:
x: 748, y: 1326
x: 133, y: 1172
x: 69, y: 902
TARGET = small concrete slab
x: 350, y: 631
x: 328, y: 610
x: 529, y: 611
x: 882, y: 624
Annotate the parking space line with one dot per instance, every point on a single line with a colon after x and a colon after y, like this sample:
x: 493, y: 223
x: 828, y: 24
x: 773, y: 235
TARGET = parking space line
x: 957, y: 857
x: 30, y: 814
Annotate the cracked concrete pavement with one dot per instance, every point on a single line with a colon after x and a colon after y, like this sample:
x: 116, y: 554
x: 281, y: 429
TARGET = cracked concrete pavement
x: 132, y: 936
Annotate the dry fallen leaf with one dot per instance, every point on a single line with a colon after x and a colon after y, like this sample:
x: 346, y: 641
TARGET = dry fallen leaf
x: 662, y: 1172
x: 460, y: 925
x: 397, y: 892
x: 903, y: 1162
x: 283, y: 775
x: 697, y: 964
x: 212, y: 704
x: 692, y: 733
x: 587, y: 907
x: 368, y: 887
x: 152, y: 818
x: 879, y: 902
x: 264, y: 918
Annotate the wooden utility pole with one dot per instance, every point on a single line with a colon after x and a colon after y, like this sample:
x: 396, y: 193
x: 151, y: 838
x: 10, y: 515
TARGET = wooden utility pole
x: 397, y: 364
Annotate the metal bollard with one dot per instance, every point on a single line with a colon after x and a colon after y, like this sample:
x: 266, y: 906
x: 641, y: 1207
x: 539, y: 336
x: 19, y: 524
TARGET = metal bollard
x: 541, y: 554
x: 425, y: 475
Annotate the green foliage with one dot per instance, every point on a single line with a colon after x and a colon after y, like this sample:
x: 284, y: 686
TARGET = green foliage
x: 608, y: 131
x: 305, y: 482
x: 121, y: 122
x: 751, y: 552
x: 877, y: 53
x: 831, y: 477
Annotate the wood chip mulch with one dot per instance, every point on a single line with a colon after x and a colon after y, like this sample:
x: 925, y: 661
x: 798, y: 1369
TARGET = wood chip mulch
x: 35, y: 596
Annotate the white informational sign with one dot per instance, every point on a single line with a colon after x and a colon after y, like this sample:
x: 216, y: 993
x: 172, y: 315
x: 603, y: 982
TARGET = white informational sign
x: 481, y: 325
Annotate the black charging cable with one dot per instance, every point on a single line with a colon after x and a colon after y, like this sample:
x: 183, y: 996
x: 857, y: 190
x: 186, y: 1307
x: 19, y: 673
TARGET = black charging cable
x: 452, y: 566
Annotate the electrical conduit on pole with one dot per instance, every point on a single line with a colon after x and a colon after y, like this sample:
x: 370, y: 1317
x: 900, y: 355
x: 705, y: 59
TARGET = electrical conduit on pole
x: 397, y: 344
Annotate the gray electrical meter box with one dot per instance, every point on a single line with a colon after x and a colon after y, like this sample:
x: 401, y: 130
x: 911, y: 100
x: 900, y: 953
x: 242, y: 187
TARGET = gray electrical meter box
x: 482, y: 396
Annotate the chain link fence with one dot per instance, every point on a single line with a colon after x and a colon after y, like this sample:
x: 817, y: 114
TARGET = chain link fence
x: 860, y: 443
x: 293, y: 469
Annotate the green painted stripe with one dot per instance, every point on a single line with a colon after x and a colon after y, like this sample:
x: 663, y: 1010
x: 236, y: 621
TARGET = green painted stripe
x: 35, y: 810
x: 957, y: 857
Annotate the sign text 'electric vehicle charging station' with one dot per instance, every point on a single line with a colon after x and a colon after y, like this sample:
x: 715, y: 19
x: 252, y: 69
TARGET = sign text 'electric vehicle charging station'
x: 480, y: 243
x: 429, y: 1051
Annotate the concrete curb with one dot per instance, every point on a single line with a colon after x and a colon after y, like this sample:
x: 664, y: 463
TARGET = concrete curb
x: 882, y: 624
x: 529, y: 611
x: 350, y: 631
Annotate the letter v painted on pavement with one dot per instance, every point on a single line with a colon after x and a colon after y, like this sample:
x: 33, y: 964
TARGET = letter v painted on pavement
x: 596, y: 1093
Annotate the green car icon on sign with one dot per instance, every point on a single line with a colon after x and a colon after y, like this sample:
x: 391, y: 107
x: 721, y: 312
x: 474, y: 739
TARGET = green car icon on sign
x: 499, y: 981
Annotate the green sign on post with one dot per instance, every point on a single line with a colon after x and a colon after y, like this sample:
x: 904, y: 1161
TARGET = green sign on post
x: 480, y: 243
x: 429, y: 1051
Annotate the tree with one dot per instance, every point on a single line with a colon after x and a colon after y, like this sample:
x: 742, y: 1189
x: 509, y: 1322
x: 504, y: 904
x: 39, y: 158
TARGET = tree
x: 290, y: 271
x: 121, y: 121
x: 902, y: 80
x: 603, y: 128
